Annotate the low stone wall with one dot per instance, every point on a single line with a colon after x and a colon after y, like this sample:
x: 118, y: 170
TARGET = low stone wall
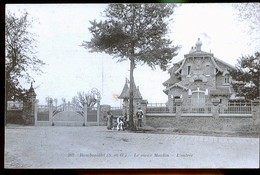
x: 14, y: 117
x: 203, y: 123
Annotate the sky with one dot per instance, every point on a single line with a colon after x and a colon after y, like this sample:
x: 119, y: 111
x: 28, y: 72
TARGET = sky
x: 61, y: 29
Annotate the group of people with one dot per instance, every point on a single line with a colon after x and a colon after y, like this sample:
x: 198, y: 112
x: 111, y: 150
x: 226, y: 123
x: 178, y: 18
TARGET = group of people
x: 122, y: 122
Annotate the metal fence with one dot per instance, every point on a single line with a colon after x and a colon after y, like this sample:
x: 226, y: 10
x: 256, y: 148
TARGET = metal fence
x: 116, y: 108
x: 230, y: 109
x: 157, y: 105
x: 192, y: 109
x: 158, y: 108
x: 43, y: 108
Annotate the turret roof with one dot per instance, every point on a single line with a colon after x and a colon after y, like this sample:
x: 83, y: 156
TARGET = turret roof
x: 126, y: 91
x: 31, y: 91
x: 137, y: 94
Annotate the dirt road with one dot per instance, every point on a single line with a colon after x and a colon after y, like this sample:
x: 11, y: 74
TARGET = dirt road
x: 96, y: 147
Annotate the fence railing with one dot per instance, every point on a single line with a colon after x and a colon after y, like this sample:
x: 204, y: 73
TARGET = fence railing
x: 116, y: 108
x: 231, y: 108
x: 157, y: 105
x: 159, y: 110
x: 43, y: 108
x: 192, y: 109
x: 236, y: 109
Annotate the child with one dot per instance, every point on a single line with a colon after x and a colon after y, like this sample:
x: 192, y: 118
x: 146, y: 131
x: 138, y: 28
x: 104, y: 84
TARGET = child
x: 119, y: 123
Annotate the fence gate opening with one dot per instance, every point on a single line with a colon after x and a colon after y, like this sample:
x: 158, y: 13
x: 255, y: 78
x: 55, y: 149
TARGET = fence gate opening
x: 68, y: 115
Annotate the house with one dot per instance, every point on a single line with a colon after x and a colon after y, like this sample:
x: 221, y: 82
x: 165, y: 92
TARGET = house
x: 199, y: 79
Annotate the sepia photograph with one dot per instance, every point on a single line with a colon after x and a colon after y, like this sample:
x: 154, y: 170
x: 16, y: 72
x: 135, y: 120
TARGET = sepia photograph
x: 132, y: 86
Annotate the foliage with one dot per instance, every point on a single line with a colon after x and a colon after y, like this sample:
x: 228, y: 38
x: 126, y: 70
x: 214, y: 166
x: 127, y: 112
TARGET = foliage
x: 249, y: 13
x: 82, y: 98
x: 135, y: 32
x: 137, y: 29
x: 63, y: 100
x: 20, y: 54
x: 247, y: 76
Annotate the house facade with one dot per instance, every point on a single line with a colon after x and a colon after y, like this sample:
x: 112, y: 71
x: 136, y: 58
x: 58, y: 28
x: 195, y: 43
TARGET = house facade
x: 199, y: 79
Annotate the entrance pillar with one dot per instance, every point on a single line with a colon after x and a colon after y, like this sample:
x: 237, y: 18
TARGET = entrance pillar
x: 85, y: 113
x: 50, y: 112
x: 35, y: 112
x: 215, y: 108
x: 98, y: 112
x: 178, y: 103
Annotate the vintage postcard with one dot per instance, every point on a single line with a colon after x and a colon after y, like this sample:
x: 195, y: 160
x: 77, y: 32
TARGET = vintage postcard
x: 136, y: 86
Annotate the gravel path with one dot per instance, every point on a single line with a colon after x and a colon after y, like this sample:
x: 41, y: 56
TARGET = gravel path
x: 96, y: 147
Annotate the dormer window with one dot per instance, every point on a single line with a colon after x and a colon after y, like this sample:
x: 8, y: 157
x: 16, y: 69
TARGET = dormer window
x: 226, y: 79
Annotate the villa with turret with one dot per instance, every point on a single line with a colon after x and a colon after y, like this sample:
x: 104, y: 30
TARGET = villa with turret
x: 199, y: 79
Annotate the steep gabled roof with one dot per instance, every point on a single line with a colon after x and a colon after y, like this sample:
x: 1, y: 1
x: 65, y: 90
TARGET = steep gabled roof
x: 215, y: 64
x: 174, y: 68
x: 125, y: 92
x: 225, y: 63
x: 182, y: 63
x: 172, y: 80
x: 179, y: 85
x: 137, y: 94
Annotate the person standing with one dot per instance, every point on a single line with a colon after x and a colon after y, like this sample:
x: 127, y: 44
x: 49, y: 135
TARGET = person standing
x: 120, y: 123
x: 139, y: 115
x: 109, y: 120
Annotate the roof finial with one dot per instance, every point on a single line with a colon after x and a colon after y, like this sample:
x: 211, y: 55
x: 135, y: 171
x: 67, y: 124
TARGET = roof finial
x: 198, y: 45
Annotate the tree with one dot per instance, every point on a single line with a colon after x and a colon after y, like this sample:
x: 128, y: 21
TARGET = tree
x: 247, y: 76
x: 63, y: 100
x: 135, y: 32
x: 20, y: 54
x: 249, y: 13
x: 82, y: 98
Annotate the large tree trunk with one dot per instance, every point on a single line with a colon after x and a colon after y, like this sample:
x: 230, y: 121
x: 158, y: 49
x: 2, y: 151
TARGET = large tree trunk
x: 132, y: 66
x: 131, y: 103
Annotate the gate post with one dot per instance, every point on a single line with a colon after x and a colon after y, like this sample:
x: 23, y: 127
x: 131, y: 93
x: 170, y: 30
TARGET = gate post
x: 85, y: 113
x: 50, y: 112
x: 144, y: 109
x: 178, y: 108
x: 35, y: 112
x: 215, y: 108
x: 98, y: 112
